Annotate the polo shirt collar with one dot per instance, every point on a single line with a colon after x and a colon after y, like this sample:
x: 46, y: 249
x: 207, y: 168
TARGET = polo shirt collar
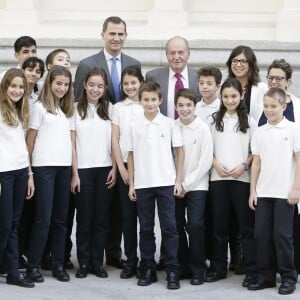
x: 192, y: 125
x: 128, y: 101
x: 214, y: 104
x: 233, y: 116
x: 156, y: 120
x: 281, y: 124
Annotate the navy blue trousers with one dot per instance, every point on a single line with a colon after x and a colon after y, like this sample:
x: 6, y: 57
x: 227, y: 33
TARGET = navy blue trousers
x: 52, y: 188
x: 146, y: 199
x: 13, y: 191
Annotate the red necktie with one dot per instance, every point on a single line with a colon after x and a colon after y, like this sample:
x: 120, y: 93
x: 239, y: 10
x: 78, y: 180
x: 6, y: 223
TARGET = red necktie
x: 178, y: 86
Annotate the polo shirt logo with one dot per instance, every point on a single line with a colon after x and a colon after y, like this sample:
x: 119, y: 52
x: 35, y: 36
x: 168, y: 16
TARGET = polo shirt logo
x: 195, y: 142
x: 286, y: 138
x: 162, y: 135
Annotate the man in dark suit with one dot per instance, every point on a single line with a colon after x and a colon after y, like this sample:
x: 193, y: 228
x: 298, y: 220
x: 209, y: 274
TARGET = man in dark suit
x: 178, y: 53
x: 114, y: 35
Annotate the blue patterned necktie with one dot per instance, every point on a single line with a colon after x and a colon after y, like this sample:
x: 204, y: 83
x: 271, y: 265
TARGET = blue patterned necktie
x: 115, y: 78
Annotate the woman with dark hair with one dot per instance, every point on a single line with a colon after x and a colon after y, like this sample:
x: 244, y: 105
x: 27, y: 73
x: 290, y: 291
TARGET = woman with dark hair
x: 242, y: 65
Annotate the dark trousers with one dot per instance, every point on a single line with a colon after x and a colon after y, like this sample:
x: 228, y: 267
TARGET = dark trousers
x: 70, y: 221
x: 297, y: 240
x: 146, y: 198
x: 191, y: 251
x: 113, y: 249
x: 129, y: 223
x: 25, y: 226
x: 274, y: 238
x: 52, y: 187
x: 92, y: 213
x: 13, y: 191
x: 225, y: 195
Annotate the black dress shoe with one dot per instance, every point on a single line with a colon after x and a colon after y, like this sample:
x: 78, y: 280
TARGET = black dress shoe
x: 34, y: 275
x: 197, y: 279
x: 214, y: 276
x: 21, y: 281
x: 173, y: 280
x: 60, y: 274
x: 250, y: 278
x: 117, y: 263
x: 68, y: 264
x: 82, y: 272
x: 128, y: 272
x: 99, y: 272
x: 147, y: 277
x: 287, y: 286
x: 261, y: 284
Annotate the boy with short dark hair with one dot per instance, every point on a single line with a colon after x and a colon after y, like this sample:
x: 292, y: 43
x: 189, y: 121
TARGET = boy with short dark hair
x: 209, y: 79
x: 198, y: 147
x: 153, y: 178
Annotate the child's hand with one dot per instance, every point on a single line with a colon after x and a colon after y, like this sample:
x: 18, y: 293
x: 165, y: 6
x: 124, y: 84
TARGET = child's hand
x: 132, y: 194
x: 221, y: 170
x: 75, y: 184
x: 252, y: 200
x: 177, y: 189
x: 237, y: 171
x: 111, y: 179
x: 294, y: 196
x: 30, y: 187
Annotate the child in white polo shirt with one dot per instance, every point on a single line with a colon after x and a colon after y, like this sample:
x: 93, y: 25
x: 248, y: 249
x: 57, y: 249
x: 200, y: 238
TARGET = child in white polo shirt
x: 229, y: 181
x: 198, y: 149
x: 209, y: 79
x: 152, y: 177
x: 275, y: 189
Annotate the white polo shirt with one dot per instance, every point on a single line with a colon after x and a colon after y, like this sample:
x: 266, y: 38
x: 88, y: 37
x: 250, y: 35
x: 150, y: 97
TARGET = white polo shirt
x: 198, y: 151
x: 204, y: 111
x: 276, y: 145
x: 231, y: 147
x: 93, y: 139
x: 124, y: 113
x: 53, y: 145
x: 151, y: 143
x: 13, y: 149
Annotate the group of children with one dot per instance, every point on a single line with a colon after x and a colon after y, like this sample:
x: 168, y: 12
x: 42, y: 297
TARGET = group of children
x: 199, y: 162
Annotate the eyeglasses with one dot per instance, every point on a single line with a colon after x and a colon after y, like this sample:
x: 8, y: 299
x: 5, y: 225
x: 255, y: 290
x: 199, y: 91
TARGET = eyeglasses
x: 241, y: 61
x: 277, y: 79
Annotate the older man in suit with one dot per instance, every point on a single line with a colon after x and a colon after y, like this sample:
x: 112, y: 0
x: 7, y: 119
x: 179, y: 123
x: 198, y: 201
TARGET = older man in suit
x: 114, y: 35
x: 113, y: 61
x: 178, y: 53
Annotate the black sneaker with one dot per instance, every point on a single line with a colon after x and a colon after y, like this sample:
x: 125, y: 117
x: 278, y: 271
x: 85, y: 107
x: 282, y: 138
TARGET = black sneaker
x: 128, y: 272
x: 287, y: 286
x: 250, y: 278
x: 34, y: 275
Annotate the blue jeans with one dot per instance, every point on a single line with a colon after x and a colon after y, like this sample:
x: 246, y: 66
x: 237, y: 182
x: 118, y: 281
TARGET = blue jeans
x: 146, y: 199
x: 191, y: 254
x: 13, y: 191
x: 52, y: 188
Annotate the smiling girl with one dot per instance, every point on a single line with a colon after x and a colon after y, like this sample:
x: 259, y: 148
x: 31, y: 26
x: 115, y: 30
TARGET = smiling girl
x: 94, y: 173
x: 50, y: 149
x: 229, y: 182
x: 16, y: 180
